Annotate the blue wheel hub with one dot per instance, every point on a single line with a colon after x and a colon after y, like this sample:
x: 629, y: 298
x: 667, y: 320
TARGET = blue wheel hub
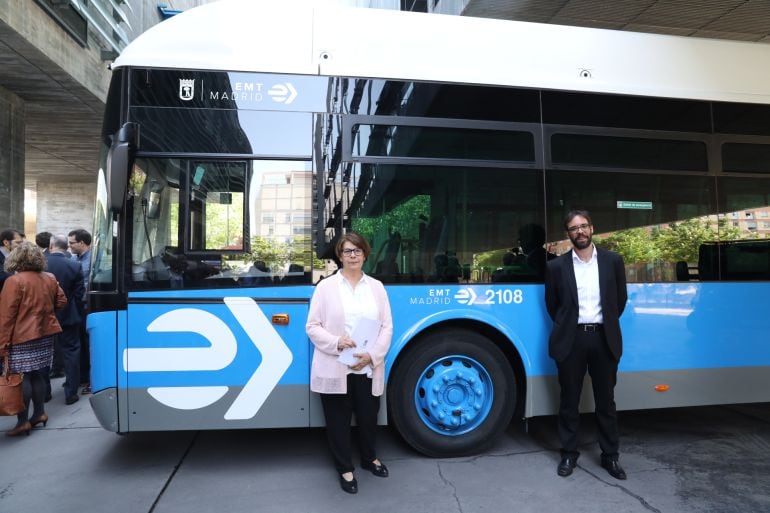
x: 454, y: 395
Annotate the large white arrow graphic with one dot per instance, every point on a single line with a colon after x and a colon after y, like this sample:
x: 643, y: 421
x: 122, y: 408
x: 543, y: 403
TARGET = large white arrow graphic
x: 276, y: 358
x: 217, y: 356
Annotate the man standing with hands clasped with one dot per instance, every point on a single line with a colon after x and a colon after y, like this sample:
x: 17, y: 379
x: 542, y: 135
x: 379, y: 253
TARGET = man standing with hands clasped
x: 585, y: 294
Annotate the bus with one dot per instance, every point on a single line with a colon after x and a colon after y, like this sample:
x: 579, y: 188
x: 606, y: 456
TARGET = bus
x: 242, y: 139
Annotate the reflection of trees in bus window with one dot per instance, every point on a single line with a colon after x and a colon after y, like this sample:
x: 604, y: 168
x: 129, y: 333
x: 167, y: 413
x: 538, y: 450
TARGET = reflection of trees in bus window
x: 666, y: 227
x: 429, y: 223
x: 656, y: 222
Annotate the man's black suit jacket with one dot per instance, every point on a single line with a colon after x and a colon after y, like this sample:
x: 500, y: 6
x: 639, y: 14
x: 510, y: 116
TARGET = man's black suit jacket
x: 70, y: 277
x: 561, y: 300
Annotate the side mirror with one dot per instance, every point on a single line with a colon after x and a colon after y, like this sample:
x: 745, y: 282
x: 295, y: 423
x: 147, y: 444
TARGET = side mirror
x: 120, y: 160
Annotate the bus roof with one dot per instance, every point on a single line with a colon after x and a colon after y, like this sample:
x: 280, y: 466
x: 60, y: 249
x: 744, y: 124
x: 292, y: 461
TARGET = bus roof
x: 302, y: 37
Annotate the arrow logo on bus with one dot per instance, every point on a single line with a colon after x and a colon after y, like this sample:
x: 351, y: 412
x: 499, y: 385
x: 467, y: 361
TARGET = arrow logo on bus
x: 283, y: 93
x: 276, y: 357
x: 465, y: 296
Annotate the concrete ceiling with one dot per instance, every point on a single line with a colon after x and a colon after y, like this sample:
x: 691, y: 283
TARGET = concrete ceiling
x: 744, y: 20
x: 63, y: 118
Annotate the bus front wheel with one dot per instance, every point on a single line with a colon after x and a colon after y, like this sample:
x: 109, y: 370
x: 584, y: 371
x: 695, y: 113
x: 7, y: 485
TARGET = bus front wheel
x: 452, y: 393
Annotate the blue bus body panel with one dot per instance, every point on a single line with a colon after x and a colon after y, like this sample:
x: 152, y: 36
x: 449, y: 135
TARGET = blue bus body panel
x: 172, y: 350
x: 104, y: 338
x: 696, y: 326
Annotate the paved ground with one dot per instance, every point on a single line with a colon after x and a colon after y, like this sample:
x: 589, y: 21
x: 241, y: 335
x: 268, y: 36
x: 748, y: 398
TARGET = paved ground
x: 710, y: 459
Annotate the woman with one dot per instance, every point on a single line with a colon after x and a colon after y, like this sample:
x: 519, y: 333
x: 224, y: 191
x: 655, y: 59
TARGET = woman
x: 28, y: 326
x: 339, y: 303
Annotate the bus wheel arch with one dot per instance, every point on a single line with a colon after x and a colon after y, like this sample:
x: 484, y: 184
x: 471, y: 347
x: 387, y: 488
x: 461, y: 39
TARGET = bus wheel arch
x: 455, y: 388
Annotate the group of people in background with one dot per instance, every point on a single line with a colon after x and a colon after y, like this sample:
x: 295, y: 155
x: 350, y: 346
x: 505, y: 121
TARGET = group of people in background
x: 42, y: 317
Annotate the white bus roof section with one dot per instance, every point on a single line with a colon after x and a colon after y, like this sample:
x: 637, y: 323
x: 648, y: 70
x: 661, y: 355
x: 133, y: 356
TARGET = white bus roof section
x: 299, y: 37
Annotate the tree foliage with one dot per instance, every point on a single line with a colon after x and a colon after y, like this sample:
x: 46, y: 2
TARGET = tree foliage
x: 404, y: 219
x: 678, y: 242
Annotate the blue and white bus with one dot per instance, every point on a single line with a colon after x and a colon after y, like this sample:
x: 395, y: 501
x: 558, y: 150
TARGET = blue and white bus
x: 241, y: 140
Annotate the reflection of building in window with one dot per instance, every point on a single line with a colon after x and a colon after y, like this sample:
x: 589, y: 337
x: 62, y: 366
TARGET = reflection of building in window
x: 282, y: 206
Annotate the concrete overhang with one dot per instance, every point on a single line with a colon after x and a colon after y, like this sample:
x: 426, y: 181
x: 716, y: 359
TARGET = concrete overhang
x: 63, y: 87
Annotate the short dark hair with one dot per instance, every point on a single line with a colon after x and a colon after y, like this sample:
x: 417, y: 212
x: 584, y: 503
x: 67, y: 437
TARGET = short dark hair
x: 81, y: 236
x: 43, y: 239
x: 572, y: 214
x: 9, y: 234
x: 357, y: 240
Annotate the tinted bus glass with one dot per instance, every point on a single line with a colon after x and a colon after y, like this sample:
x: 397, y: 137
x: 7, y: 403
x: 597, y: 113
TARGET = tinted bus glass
x: 440, y: 142
x: 281, y: 134
x: 628, y: 152
x: 656, y: 222
x: 741, y: 118
x: 605, y: 110
x: 746, y: 158
x: 396, y: 98
x: 450, y: 224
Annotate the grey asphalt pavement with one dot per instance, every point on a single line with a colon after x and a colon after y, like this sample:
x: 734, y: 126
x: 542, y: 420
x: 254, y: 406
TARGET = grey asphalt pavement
x: 707, y: 459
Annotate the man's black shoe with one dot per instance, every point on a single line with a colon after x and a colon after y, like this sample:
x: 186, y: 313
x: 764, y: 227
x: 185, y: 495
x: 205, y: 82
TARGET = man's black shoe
x: 614, y: 469
x: 72, y: 399
x: 566, y: 465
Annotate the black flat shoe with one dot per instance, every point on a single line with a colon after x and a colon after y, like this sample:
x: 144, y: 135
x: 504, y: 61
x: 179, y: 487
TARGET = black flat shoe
x: 378, y: 470
x: 614, y: 469
x: 566, y: 465
x: 348, y: 486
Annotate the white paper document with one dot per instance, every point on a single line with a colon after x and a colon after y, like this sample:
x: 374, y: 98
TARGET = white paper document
x: 365, y: 333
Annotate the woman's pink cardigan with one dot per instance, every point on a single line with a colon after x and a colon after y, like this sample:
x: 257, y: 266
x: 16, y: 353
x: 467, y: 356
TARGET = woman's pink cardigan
x: 326, y: 324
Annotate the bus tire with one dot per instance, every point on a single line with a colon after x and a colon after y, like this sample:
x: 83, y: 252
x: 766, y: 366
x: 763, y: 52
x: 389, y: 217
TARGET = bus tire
x: 452, y: 393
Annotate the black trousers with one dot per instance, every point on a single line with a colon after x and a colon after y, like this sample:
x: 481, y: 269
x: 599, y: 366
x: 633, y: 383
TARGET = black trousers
x: 589, y: 352
x: 338, y: 410
x: 69, y: 342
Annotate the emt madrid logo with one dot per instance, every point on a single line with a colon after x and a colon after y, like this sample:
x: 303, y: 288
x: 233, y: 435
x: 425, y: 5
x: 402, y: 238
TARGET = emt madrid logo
x: 186, y: 89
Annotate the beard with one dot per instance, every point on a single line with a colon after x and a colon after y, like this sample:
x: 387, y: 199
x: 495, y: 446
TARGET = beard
x: 581, y: 241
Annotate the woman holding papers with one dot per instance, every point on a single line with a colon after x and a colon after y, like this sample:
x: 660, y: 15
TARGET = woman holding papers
x: 350, y: 325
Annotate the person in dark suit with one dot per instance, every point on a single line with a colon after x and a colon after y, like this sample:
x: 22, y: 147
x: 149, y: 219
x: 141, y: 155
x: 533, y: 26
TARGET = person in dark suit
x: 70, y: 277
x: 585, y: 294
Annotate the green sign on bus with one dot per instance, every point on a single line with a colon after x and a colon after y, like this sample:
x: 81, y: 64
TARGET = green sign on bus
x: 638, y: 205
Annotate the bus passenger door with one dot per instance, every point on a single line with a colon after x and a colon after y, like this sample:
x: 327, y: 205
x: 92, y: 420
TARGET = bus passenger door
x: 231, y: 362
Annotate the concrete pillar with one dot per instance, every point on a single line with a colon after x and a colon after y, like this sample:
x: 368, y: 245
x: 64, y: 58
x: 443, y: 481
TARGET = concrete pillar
x: 62, y: 207
x: 12, y: 126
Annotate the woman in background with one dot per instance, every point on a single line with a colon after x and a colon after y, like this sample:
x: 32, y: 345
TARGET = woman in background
x: 28, y: 326
x: 339, y: 303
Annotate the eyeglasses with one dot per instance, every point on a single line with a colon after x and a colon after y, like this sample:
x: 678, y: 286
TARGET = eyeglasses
x: 351, y: 252
x: 574, y: 229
